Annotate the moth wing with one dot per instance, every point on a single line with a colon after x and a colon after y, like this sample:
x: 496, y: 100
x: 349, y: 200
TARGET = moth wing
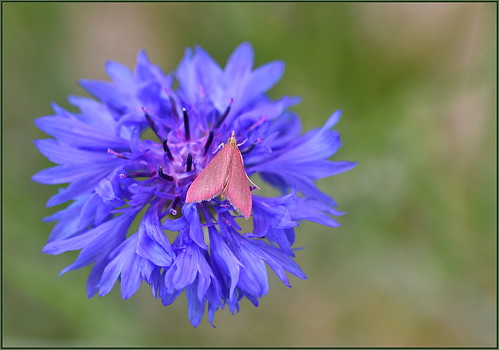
x: 237, y: 189
x: 210, y: 182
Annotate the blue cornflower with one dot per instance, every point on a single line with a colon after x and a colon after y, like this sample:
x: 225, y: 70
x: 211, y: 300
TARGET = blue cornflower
x: 117, y: 175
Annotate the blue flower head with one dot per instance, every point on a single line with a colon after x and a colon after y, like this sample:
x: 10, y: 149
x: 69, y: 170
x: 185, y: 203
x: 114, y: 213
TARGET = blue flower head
x: 132, y: 153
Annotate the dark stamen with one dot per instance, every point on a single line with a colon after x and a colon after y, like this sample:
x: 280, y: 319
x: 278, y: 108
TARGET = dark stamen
x: 167, y: 150
x: 151, y: 123
x: 189, y: 162
x: 258, y: 122
x: 249, y: 149
x: 208, y: 143
x: 139, y: 174
x: 164, y: 176
x: 173, y: 104
x: 224, y: 115
x: 114, y: 153
x: 186, y: 125
x: 173, y: 205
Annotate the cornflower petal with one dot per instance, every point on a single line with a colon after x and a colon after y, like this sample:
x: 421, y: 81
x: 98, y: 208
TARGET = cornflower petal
x: 123, y: 262
x: 263, y: 78
x: 146, y: 71
x: 225, y: 260
x: 239, y: 65
x: 195, y: 307
x: 88, y: 108
x: 61, y: 153
x: 195, y: 230
x: 152, y: 242
x: 69, y: 173
x: 253, y: 278
x: 68, y: 221
x: 121, y: 75
x: 80, y: 134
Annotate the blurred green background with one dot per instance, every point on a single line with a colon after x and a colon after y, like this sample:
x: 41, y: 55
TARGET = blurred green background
x: 414, y: 262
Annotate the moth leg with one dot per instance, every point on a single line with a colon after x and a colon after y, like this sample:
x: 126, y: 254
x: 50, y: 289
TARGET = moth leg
x: 219, y: 146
